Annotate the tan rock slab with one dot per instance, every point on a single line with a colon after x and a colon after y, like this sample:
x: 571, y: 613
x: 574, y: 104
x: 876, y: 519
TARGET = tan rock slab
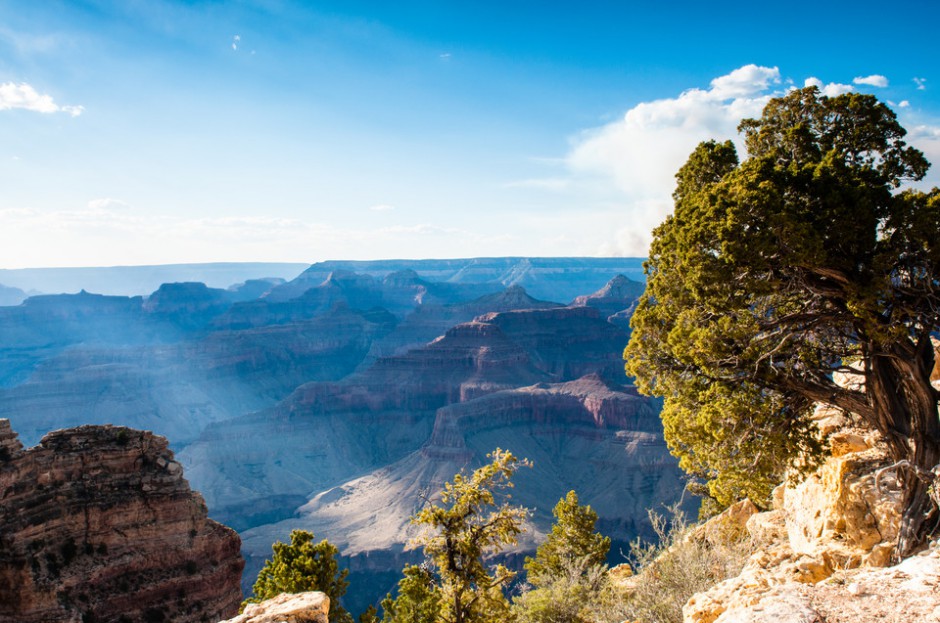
x: 311, y: 607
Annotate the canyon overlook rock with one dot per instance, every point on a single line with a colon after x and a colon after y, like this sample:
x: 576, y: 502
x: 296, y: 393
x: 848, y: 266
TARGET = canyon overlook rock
x: 98, y: 524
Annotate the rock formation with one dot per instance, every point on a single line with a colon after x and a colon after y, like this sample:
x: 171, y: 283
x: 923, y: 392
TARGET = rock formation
x: 614, y: 300
x: 98, y: 525
x: 309, y: 607
x: 818, y: 545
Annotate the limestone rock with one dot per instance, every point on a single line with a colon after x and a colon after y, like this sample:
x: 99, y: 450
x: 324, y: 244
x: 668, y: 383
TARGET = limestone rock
x: 309, y: 607
x: 98, y: 524
x: 818, y: 549
x: 839, y: 505
x: 780, y: 605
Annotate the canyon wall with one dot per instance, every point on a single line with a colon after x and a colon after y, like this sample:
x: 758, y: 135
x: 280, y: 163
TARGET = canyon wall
x: 98, y: 525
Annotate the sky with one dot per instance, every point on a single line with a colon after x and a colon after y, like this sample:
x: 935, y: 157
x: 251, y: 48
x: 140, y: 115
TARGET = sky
x: 156, y: 131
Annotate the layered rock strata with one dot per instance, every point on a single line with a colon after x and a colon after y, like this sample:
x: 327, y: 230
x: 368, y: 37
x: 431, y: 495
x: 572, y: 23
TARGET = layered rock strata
x: 98, y: 525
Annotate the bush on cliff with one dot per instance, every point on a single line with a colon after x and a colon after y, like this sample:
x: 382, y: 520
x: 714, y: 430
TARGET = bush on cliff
x: 568, y: 571
x: 303, y: 566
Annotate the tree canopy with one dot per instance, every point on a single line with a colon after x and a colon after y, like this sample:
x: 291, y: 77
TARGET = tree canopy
x: 571, y: 544
x: 468, y: 524
x: 779, y: 273
x: 568, y: 570
x: 302, y: 566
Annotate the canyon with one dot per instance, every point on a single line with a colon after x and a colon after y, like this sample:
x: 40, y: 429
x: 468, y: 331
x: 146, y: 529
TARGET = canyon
x: 337, y: 401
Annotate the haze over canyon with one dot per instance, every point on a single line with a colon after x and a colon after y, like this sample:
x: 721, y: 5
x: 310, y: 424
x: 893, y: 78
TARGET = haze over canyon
x: 337, y: 400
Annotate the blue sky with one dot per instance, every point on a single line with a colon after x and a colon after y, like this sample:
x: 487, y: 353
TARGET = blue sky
x: 142, y: 132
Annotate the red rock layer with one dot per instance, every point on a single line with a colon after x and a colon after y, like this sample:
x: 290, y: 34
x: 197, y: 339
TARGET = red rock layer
x: 98, y: 525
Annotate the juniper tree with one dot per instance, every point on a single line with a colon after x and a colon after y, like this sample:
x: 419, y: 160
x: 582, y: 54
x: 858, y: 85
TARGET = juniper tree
x: 571, y: 544
x: 469, y: 523
x: 777, y: 272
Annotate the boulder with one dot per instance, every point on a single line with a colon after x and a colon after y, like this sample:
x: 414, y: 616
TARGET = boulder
x: 309, y: 607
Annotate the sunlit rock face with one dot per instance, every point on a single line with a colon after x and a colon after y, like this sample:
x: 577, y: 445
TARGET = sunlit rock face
x: 98, y: 524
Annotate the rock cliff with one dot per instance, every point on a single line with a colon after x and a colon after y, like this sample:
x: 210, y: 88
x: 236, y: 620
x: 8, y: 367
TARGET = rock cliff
x: 822, y: 550
x: 98, y: 525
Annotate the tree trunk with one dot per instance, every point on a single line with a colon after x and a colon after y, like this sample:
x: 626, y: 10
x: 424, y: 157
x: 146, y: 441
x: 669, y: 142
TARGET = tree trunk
x: 905, y: 412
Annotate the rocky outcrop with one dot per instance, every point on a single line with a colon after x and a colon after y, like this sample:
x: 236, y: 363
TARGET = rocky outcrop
x: 11, y: 296
x: 97, y: 524
x: 820, y: 533
x: 905, y: 593
x: 614, y: 300
x: 309, y: 607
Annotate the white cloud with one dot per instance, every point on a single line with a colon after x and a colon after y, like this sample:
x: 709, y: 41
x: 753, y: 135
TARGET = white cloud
x: 382, y: 207
x: 745, y: 81
x: 25, y: 97
x: 235, y: 41
x: 831, y: 89
x: 631, y: 163
x: 444, y: 56
x: 636, y: 157
x: 874, y: 80
x: 904, y: 104
x: 921, y: 83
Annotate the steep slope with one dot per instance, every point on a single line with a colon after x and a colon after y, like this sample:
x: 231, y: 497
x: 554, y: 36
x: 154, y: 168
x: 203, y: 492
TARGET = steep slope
x: 268, y: 460
x: 98, y: 524
x: 598, y: 438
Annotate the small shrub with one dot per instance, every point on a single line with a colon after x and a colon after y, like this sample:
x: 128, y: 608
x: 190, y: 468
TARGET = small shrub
x: 672, y: 570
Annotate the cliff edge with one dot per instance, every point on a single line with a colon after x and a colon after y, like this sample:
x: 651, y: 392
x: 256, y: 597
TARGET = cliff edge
x: 98, y: 525
x: 822, y: 553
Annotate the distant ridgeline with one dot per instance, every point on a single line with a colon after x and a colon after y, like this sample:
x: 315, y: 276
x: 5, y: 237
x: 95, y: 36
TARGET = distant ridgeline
x: 333, y: 402
x: 554, y: 278
x: 550, y: 278
x: 139, y: 280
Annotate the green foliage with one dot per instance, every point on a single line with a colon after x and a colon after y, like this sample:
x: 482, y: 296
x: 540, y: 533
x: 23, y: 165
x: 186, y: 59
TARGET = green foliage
x: 467, y: 525
x: 572, y: 543
x: 568, y: 571
x: 303, y: 566
x: 773, y: 274
x: 371, y: 615
x: 565, y: 597
x: 418, y: 599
